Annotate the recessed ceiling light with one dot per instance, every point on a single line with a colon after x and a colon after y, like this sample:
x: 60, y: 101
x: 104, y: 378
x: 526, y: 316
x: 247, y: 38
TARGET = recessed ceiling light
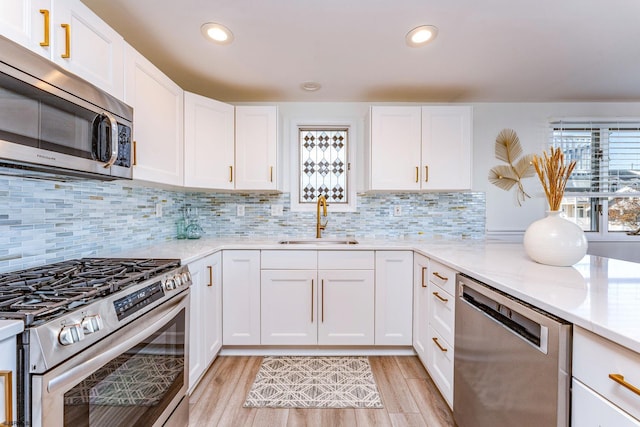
x: 217, y: 33
x: 310, y: 86
x: 421, y: 35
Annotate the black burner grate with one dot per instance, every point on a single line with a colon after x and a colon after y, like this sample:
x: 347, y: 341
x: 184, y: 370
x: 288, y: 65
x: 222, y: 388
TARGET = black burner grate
x: 42, y: 293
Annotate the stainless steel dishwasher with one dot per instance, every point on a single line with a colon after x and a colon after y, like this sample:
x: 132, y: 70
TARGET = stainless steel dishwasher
x: 512, y: 364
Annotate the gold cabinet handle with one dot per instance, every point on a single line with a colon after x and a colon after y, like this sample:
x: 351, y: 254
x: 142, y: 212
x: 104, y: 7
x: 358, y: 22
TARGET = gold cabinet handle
x: 437, y: 295
x: 67, y: 41
x: 230, y: 173
x: 322, y: 302
x: 435, y: 340
x: 424, y: 285
x: 620, y: 380
x: 271, y: 173
x: 8, y: 396
x: 311, y: 300
x: 210, y: 268
x: 417, y: 174
x: 135, y: 157
x: 440, y: 276
x: 47, y: 27
x: 426, y: 174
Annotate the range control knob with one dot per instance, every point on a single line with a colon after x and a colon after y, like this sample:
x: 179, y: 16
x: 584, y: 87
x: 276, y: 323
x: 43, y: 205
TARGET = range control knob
x: 186, y: 277
x: 178, y: 279
x: 71, y: 334
x: 169, y: 284
x: 91, y: 324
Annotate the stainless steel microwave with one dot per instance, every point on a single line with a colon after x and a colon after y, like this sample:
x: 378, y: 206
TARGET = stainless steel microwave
x: 54, y: 122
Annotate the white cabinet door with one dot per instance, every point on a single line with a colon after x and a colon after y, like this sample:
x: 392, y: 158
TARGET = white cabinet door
x: 25, y: 22
x: 241, y: 297
x: 440, y: 357
x: 85, y: 45
x: 589, y: 409
x: 421, y: 306
x: 212, y: 307
x: 256, y: 147
x: 394, y: 297
x: 205, y: 319
x: 289, y: 314
x: 446, y: 148
x: 346, y: 307
x: 158, y: 121
x: 395, y: 148
x: 208, y: 142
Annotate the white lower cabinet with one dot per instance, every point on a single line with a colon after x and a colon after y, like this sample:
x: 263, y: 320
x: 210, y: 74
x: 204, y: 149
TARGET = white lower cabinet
x: 305, y: 301
x: 440, y: 343
x: 241, y: 297
x: 606, y: 377
x: 346, y: 307
x: 394, y: 297
x: 288, y: 307
x: 421, y: 297
x: 205, y: 320
x: 589, y: 409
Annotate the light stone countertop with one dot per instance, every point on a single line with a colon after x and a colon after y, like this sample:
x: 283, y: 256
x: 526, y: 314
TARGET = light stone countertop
x: 599, y: 294
x: 9, y: 328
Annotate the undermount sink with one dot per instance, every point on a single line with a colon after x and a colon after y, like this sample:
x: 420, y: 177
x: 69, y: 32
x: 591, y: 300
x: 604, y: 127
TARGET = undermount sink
x: 320, y: 241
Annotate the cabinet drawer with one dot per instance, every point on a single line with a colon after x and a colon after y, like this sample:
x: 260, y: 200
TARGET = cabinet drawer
x: 440, y: 353
x: 595, y: 358
x: 443, y: 276
x: 346, y: 260
x: 442, y: 313
x: 588, y: 409
x: 289, y: 260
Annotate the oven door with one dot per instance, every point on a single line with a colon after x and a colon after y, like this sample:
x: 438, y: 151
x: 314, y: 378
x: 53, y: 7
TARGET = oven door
x: 136, y: 376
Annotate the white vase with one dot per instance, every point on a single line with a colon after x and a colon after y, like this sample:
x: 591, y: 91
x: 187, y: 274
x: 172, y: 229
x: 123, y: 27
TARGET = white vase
x: 554, y: 240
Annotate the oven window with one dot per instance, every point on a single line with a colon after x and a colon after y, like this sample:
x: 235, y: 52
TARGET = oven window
x: 135, y: 388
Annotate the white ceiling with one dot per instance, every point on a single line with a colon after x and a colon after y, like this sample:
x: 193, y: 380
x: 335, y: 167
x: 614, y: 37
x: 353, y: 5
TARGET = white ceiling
x: 486, y: 50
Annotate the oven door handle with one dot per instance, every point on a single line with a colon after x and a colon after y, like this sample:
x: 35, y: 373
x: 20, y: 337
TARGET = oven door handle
x: 80, y: 371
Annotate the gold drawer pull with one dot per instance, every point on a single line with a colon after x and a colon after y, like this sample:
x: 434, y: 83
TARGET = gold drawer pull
x: 440, y: 276
x: 620, y: 380
x: 435, y: 340
x: 437, y: 295
x: 67, y: 41
x: 47, y: 27
x: 8, y: 397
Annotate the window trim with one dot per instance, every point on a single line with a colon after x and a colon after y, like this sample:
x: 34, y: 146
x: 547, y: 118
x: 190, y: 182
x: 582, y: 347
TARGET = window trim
x: 300, y: 123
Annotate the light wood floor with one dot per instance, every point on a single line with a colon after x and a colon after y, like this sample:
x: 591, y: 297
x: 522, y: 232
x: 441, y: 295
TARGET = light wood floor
x: 408, y: 394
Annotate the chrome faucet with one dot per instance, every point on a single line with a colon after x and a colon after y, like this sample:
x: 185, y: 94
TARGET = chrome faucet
x: 319, y: 225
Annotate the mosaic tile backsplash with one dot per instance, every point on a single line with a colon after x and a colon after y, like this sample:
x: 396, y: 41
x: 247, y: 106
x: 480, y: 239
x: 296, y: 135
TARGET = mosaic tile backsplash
x: 46, y: 221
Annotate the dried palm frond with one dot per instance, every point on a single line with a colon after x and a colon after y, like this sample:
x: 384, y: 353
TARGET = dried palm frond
x: 554, y: 175
x: 508, y: 149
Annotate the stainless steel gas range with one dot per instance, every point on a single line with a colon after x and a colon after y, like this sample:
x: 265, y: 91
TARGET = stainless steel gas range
x: 105, y: 342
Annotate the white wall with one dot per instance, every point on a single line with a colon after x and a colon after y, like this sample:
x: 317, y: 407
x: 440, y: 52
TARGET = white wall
x: 529, y: 120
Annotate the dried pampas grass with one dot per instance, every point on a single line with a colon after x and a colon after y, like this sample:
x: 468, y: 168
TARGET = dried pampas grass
x: 554, y: 175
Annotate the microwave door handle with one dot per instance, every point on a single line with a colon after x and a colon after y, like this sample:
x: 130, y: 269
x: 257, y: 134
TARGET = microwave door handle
x: 114, y: 138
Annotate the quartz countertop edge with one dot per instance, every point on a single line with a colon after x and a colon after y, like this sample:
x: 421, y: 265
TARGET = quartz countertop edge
x: 598, y: 294
x: 9, y: 328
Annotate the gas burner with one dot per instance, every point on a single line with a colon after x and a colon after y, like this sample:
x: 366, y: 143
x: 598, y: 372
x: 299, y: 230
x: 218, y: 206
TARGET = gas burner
x: 42, y: 293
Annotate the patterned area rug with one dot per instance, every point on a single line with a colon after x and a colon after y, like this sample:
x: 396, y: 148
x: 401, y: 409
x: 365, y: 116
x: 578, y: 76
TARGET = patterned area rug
x: 314, y: 382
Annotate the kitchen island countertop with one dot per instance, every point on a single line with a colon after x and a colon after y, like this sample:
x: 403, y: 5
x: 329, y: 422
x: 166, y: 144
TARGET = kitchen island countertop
x: 599, y: 294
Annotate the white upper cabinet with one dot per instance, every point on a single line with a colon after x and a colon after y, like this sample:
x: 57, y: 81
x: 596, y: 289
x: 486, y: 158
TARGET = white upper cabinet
x: 446, y: 148
x: 395, y: 148
x: 158, y: 106
x: 27, y: 22
x: 85, y: 45
x: 209, y: 143
x: 70, y: 34
x: 420, y: 148
x: 256, y: 148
